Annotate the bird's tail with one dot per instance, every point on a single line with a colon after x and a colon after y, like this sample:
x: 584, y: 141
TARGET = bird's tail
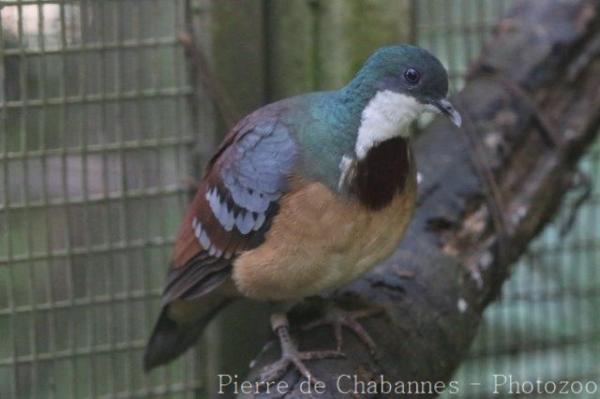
x: 171, y: 338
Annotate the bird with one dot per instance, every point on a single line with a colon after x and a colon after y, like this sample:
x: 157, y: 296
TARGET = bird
x: 303, y: 196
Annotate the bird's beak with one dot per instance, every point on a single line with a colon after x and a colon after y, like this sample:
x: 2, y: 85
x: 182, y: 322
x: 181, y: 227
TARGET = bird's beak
x: 444, y: 106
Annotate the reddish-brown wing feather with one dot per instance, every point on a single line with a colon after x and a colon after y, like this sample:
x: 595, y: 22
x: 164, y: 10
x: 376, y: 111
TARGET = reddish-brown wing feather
x: 233, y: 207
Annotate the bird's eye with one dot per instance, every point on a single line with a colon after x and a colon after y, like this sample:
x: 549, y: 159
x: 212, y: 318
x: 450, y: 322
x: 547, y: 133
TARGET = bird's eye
x: 412, y: 76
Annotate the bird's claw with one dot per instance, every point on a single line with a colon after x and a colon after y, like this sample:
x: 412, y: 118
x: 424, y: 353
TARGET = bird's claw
x: 277, y: 370
x: 290, y: 354
x: 339, y: 318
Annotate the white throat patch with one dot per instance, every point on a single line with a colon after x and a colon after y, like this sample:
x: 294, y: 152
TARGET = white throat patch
x: 386, y: 116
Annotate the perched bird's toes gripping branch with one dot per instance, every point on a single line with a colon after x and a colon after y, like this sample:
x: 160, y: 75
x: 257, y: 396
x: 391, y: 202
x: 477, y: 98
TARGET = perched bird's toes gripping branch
x: 290, y: 356
x: 339, y: 318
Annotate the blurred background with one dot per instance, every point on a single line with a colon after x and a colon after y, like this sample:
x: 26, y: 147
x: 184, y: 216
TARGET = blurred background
x: 109, y: 109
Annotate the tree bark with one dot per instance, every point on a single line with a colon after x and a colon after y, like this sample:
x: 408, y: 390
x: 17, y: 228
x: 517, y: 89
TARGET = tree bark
x: 531, y: 107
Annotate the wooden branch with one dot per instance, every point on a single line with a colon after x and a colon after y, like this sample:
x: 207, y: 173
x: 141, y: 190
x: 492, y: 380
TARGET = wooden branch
x: 530, y: 109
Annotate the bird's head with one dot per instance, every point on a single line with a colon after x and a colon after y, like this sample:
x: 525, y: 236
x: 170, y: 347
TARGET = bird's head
x: 401, y: 82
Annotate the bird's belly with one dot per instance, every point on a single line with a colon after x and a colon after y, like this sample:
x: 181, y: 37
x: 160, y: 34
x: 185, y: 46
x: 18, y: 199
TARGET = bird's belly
x: 318, y: 242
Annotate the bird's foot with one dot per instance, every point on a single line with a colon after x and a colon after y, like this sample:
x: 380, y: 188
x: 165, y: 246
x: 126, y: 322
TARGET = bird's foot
x: 338, y: 318
x: 290, y: 355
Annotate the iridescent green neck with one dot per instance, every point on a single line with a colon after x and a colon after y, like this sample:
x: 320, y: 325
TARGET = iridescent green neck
x: 330, y: 130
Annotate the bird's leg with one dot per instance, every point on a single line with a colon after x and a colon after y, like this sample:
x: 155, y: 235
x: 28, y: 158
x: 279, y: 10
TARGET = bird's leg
x: 338, y: 318
x: 290, y: 355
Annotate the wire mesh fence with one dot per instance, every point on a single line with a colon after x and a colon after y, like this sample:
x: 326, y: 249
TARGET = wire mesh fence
x: 93, y: 153
x: 95, y: 146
